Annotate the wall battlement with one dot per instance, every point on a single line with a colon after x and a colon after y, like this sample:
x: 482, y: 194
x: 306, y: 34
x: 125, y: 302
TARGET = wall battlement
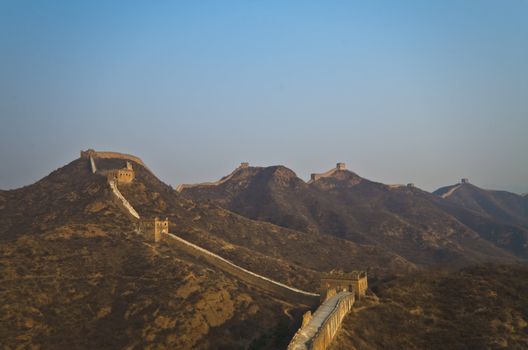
x: 339, y: 292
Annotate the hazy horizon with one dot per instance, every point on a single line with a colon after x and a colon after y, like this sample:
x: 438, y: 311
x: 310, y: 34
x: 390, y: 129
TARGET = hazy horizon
x: 400, y: 91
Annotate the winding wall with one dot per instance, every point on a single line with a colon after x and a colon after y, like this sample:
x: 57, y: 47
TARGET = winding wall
x: 274, y: 287
x: 123, y: 200
x: 318, y: 333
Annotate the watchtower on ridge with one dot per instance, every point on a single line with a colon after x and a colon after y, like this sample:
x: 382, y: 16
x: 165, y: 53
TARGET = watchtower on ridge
x: 88, y: 153
x: 122, y: 176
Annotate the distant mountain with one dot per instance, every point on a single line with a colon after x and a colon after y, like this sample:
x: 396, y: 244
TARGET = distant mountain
x: 500, y: 205
x: 403, y: 219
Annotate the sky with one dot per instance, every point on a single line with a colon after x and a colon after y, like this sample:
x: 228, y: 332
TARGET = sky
x: 402, y: 91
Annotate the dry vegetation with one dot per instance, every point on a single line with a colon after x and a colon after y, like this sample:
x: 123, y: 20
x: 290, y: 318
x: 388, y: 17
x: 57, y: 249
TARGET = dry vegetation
x: 483, y: 307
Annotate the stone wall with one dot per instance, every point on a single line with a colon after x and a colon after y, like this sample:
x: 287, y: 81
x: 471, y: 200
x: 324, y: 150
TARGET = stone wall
x: 182, y: 187
x: 278, y: 289
x: 122, y: 200
x: 326, y: 333
x: 92, y: 165
x: 339, y: 167
x: 105, y: 155
x: 319, y: 328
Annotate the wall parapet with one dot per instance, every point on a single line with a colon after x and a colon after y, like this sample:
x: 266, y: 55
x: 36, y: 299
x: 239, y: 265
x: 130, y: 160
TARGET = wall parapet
x: 318, y: 333
x: 322, y: 339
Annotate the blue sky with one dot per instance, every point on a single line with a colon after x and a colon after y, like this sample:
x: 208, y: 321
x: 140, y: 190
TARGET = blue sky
x: 402, y: 91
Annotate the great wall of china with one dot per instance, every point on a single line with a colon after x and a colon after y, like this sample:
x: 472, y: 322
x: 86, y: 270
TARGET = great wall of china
x: 317, y: 331
x: 122, y: 200
x: 181, y: 187
x: 315, y: 177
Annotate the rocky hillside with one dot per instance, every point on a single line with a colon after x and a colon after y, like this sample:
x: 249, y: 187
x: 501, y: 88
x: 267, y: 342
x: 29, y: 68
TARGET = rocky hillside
x: 75, y: 274
x: 407, y: 221
x: 289, y: 256
x: 482, y: 307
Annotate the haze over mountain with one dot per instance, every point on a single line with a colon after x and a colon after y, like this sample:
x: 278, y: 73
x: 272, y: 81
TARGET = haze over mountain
x: 422, y: 227
x: 423, y: 92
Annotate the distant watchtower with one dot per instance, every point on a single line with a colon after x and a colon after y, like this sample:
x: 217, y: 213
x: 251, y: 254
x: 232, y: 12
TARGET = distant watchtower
x: 464, y: 180
x: 244, y: 165
x: 152, y: 229
x: 88, y: 153
x: 341, y: 166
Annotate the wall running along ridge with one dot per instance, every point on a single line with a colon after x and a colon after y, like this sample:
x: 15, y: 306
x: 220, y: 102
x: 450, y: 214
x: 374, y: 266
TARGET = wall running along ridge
x: 123, y: 200
x: 281, y: 290
x: 181, y: 187
x: 317, y: 334
x: 107, y: 155
x: 323, y: 175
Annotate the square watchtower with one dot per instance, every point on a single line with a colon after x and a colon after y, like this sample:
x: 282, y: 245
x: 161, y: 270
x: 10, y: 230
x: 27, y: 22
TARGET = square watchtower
x: 153, y: 229
x: 355, y: 281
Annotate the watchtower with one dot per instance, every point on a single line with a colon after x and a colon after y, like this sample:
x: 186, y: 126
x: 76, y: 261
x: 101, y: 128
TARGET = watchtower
x: 153, y: 229
x: 341, y: 166
x: 464, y: 180
x: 355, y: 281
x: 123, y: 176
x: 244, y: 165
